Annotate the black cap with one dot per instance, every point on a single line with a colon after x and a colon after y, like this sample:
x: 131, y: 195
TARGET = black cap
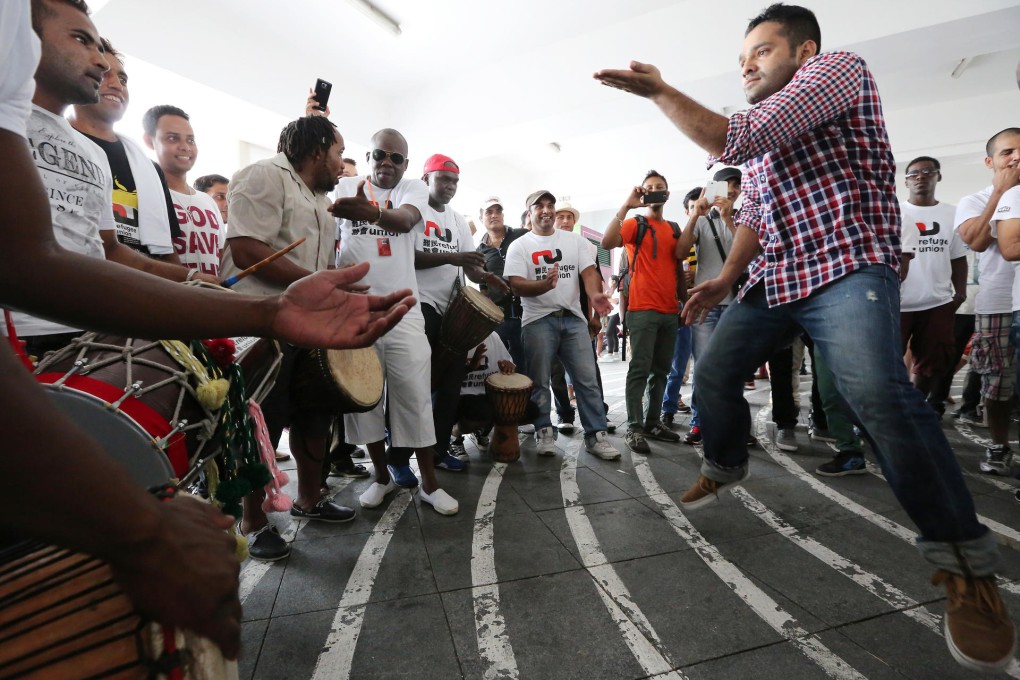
x: 726, y: 174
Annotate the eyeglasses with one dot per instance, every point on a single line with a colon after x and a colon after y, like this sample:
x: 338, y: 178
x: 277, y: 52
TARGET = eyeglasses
x: 395, y: 156
x: 927, y: 172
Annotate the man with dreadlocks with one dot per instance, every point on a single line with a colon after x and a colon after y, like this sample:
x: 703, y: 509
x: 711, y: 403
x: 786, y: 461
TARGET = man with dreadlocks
x: 273, y: 203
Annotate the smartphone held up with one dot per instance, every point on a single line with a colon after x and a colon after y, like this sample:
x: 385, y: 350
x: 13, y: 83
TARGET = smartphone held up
x: 322, y: 91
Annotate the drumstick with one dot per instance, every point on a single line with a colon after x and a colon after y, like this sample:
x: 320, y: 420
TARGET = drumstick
x: 259, y: 265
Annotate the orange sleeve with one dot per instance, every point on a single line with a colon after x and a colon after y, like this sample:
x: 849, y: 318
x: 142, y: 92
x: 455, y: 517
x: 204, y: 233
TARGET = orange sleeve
x: 628, y: 230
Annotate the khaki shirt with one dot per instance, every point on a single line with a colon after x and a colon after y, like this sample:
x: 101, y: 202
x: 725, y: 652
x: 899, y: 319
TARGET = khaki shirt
x: 269, y: 202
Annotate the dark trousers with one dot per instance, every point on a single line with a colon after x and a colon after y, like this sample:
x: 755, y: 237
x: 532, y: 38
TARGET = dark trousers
x: 446, y: 379
x: 38, y: 345
x: 612, y: 339
x: 784, y: 408
x: 963, y: 329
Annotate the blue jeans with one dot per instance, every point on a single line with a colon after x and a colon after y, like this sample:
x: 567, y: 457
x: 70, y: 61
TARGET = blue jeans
x: 855, y: 325
x: 681, y: 355
x: 701, y: 333
x: 510, y: 333
x: 565, y: 338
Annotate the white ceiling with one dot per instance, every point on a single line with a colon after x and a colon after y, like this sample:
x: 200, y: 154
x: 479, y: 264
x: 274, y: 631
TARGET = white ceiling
x: 492, y: 84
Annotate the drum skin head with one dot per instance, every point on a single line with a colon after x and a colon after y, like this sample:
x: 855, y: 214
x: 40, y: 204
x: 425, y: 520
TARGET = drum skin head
x: 512, y: 381
x: 483, y: 304
x: 120, y: 436
x: 359, y: 372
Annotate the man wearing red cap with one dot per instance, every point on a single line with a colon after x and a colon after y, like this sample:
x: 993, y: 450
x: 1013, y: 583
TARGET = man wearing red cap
x: 443, y: 245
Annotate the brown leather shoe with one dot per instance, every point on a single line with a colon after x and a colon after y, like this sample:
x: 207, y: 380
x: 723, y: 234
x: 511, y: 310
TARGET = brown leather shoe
x: 706, y: 490
x: 978, y: 630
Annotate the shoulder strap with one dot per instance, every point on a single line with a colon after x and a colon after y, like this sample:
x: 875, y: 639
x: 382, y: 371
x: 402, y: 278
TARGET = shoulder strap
x: 642, y: 230
x: 715, y: 235
x: 676, y: 229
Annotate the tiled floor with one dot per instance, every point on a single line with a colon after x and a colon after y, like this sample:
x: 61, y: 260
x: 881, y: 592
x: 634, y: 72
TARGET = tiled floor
x: 574, y: 567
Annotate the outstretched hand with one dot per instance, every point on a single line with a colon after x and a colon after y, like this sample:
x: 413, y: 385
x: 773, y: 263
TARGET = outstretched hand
x: 601, y: 303
x: 643, y: 80
x: 318, y: 311
x: 703, y: 298
x: 355, y: 208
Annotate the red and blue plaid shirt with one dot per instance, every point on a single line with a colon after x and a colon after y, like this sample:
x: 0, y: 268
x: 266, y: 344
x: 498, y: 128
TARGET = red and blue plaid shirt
x: 819, y: 186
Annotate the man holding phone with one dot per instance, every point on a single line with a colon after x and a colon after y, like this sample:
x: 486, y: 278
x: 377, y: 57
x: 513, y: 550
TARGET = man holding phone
x: 653, y: 249
x: 710, y: 229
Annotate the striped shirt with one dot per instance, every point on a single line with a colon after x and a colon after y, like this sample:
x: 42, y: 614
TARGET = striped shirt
x: 819, y: 186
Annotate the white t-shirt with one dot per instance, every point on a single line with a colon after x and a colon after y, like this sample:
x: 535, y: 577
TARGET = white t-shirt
x: 391, y: 255
x: 440, y: 232
x: 78, y: 182
x: 929, y: 282
x: 997, y: 276
x: 19, y: 56
x: 532, y: 256
x: 199, y: 217
x: 1009, y: 209
x: 495, y: 351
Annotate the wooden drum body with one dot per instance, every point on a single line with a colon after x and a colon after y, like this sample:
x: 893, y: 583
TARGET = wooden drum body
x: 337, y: 381
x: 509, y: 394
x: 63, y: 616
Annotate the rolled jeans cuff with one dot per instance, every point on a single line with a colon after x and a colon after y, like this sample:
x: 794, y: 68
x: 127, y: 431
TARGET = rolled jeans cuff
x: 976, y: 557
x: 723, y: 475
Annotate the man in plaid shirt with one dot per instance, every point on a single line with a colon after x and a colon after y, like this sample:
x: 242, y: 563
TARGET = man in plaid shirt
x: 818, y: 234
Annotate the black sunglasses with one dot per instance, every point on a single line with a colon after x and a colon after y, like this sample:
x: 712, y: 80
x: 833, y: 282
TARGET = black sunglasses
x: 395, y: 156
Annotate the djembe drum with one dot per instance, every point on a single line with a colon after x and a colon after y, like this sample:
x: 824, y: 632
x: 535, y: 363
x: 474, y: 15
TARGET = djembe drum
x: 337, y: 381
x: 469, y: 319
x: 509, y: 394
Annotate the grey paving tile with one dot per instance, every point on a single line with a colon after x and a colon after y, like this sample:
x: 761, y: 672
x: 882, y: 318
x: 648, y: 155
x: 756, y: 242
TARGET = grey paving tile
x: 318, y: 570
x: 625, y: 530
x: 784, y: 661
x: 541, y: 490
x: 292, y: 645
x: 524, y: 547
x: 912, y: 650
x: 803, y: 579
x: 696, y: 615
x: 557, y: 626
x: 252, y: 635
x: 259, y: 604
x: 406, y: 638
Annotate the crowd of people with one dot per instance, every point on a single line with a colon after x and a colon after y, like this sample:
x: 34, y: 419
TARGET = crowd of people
x: 819, y: 257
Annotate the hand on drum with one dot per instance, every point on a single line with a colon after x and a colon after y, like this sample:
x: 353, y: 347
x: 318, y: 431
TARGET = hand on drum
x: 186, y: 574
x: 317, y: 311
x: 506, y: 367
x: 496, y: 282
x: 208, y: 278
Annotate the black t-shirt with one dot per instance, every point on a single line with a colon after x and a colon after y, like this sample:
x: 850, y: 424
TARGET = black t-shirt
x: 495, y: 260
x: 125, y: 196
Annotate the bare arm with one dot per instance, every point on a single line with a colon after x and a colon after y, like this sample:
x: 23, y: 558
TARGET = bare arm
x: 117, y: 299
x: 959, y: 277
x: 977, y: 231
x: 597, y: 298
x: 120, y: 253
x: 703, y: 126
x: 523, y: 287
x: 1009, y: 239
x: 358, y: 208
x: 708, y: 294
x: 612, y: 238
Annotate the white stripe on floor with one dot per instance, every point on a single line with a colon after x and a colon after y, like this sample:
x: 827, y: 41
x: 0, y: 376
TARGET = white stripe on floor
x: 335, y: 659
x: 967, y: 433
x: 872, y: 583
x: 1008, y: 535
x: 839, y: 499
x: 490, y: 628
x: 637, y: 631
x: 253, y: 572
x: 767, y: 609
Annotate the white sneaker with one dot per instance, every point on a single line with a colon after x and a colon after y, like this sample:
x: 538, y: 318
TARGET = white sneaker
x: 527, y: 428
x: 374, y: 495
x: 786, y: 439
x: 599, y: 446
x: 545, y: 441
x: 444, y: 503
